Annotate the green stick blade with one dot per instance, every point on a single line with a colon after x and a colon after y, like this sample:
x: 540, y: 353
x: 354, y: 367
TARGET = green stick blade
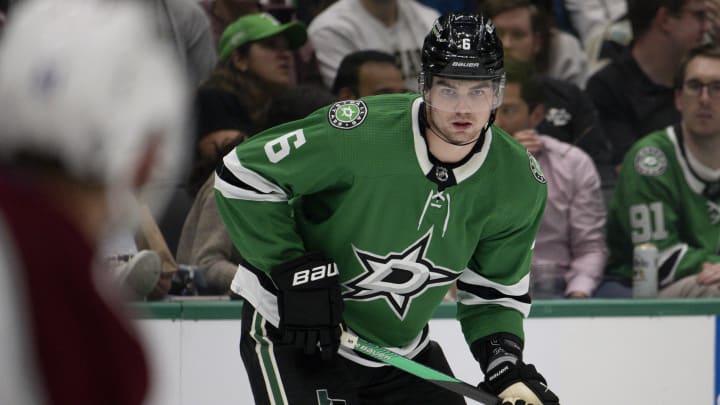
x: 426, y: 373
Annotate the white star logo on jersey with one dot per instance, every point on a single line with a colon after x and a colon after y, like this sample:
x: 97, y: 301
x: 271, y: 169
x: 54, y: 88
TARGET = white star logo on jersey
x: 397, y: 277
x: 348, y: 113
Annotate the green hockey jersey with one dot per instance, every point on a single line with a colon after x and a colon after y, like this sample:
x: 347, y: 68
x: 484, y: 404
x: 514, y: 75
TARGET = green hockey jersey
x: 355, y: 181
x: 659, y: 199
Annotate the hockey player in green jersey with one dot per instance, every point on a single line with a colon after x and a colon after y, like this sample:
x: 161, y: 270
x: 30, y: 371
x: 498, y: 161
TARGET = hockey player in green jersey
x: 668, y: 192
x: 366, y: 212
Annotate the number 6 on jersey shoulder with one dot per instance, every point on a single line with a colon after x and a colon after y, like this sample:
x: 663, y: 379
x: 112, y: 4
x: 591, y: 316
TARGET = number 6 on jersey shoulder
x: 279, y: 148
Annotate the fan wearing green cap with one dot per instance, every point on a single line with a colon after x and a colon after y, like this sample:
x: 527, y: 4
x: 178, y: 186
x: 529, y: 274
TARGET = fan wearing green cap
x: 255, y: 27
x: 256, y: 63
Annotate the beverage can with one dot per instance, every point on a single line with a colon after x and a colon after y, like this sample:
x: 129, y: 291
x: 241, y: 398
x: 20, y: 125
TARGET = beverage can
x: 645, y: 271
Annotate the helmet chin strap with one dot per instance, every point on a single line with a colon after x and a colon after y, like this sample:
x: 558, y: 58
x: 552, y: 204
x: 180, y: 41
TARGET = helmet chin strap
x: 445, y: 139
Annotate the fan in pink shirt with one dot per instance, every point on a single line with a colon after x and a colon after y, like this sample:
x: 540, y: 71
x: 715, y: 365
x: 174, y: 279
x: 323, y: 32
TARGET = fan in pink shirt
x: 570, y: 250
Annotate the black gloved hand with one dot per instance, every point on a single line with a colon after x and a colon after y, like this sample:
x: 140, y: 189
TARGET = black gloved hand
x: 520, y: 383
x: 310, y: 303
x: 507, y: 376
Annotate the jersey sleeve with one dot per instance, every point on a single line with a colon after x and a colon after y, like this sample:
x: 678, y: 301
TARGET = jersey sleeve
x: 646, y: 208
x: 257, y: 183
x: 493, y: 293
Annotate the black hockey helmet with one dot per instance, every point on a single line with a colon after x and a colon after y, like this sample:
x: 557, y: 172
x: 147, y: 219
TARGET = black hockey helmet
x: 463, y: 46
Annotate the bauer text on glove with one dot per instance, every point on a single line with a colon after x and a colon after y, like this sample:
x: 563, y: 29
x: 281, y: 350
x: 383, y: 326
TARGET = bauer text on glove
x: 310, y: 303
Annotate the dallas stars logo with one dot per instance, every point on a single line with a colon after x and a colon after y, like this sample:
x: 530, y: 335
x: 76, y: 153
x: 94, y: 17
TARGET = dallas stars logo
x: 650, y: 161
x: 397, y: 278
x: 347, y: 114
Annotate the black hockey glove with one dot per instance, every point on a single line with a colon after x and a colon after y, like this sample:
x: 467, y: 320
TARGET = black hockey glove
x: 310, y: 304
x: 506, y: 376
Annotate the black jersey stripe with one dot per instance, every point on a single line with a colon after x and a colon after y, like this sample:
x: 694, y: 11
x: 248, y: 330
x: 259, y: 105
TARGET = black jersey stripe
x: 262, y: 277
x: 488, y: 293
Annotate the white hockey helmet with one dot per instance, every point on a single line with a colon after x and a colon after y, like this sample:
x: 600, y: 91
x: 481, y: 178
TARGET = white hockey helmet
x: 90, y: 84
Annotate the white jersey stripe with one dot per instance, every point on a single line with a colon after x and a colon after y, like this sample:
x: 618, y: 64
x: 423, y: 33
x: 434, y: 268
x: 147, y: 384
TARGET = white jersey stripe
x: 250, y: 177
x: 692, y: 182
x: 246, y: 284
x: 469, y: 299
x: 475, y: 163
x: 679, y: 250
x: 230, y: 191
x: 520, y: 288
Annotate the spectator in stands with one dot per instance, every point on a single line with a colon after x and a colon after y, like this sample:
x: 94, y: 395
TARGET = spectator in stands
x: 601, y: 25
x: 668, y: 192
x: 366, y: 73
x: 184, y: 23
x: 527, y: 35
x: 91, y: 110
x: 634, y: 94
x: 204, y: 241
x: 609, y: 45
x: 570, y: 253
x: 393, y: 26
x: 587, y: 19
x: 256, y: 64
x: 570, y: 116
x: 222, y: 13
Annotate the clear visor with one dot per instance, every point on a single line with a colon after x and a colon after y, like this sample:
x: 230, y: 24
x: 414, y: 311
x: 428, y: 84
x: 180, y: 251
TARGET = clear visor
x: 463, y: 95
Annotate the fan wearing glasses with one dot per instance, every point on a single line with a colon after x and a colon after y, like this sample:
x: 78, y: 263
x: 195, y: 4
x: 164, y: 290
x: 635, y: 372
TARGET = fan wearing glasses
x: 668, y: 192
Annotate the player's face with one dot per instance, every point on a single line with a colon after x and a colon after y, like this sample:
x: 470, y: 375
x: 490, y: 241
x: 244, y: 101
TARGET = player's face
x: 514, y: 27
x: 459, y: 109
x: 699, y: 99
x: 514, y: 114
x: 270, y: 59
x: 379, y: 78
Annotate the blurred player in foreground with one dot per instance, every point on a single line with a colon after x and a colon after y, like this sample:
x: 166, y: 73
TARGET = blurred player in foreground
x: 90, y: 113
x: 364, y: 214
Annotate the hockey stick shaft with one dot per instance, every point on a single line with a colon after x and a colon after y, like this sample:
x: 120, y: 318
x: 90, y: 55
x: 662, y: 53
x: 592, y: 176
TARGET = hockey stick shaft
x: 450, y: 383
